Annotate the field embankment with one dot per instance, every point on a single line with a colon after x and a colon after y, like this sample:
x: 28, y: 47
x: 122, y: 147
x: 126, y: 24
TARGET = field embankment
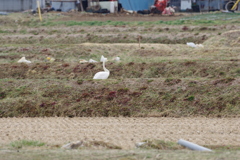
x: 158, y: 75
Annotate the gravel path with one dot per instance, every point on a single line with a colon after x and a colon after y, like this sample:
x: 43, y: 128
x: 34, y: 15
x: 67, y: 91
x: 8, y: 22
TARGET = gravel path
x: 124, y: 132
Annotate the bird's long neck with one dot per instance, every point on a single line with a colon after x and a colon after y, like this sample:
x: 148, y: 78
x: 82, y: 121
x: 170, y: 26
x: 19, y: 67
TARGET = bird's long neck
x: 104, y: 68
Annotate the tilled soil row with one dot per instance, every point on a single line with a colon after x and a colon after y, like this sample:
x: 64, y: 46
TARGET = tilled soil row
x: 123, y: 132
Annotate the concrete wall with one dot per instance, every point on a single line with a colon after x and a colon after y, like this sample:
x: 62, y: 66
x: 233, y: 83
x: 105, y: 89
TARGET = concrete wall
x: 19, y: 5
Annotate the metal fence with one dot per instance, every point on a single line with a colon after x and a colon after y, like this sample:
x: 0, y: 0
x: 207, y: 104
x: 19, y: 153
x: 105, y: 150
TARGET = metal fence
x: 19, y: 5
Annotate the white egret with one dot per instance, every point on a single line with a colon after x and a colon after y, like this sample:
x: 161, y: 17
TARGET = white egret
x: 23, y: 60
x: 103, y: 74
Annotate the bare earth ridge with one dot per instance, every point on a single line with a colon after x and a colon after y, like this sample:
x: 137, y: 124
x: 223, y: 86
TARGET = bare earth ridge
x: 123, y: 132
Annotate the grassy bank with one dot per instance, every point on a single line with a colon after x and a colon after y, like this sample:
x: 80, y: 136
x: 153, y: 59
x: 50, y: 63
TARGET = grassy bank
x: 155, y: 149
x: 169, y: 97
x: 117, y: 154
x: 152, y: 79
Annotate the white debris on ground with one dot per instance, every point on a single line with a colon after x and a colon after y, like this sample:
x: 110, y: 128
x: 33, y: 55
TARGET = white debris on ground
x: 82, y: 61
x: 139, y: 144
x: 192, y: 146
x: 92, y: 61
x: 191, y: 44
x: 23, y: 60
x: 116, y: 59
x: 73, y: 145
x: 50, y: 59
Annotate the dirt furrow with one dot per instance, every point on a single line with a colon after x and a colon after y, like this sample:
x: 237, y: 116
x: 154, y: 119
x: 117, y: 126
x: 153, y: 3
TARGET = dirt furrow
x: 124, y: 132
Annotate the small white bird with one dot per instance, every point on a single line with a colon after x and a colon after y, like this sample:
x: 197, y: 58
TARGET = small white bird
x: 23, y: 60
x: 191, y: 44
x: 103, y: 74
x: 92, y: 61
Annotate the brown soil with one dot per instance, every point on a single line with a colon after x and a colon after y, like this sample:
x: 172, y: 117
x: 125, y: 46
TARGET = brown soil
x: 123, y: 132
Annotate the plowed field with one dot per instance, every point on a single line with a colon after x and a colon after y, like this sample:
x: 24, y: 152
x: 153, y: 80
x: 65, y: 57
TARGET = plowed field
x: 123, y: 132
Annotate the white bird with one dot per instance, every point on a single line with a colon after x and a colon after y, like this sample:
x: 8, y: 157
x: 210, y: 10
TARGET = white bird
x: 23, y: 60
x: 191, y: 44
x: 102, y: 58
x: 92, y: 61
x: 103, y: 74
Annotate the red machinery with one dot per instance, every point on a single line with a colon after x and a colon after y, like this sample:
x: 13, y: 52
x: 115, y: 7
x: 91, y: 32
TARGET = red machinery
x: 160, y: 4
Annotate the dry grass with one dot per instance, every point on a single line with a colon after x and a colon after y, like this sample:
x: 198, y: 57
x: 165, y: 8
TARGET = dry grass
x: 155, y: 80
x: 117, y: 154
x: 129, y: 97
x: 169, y: 79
